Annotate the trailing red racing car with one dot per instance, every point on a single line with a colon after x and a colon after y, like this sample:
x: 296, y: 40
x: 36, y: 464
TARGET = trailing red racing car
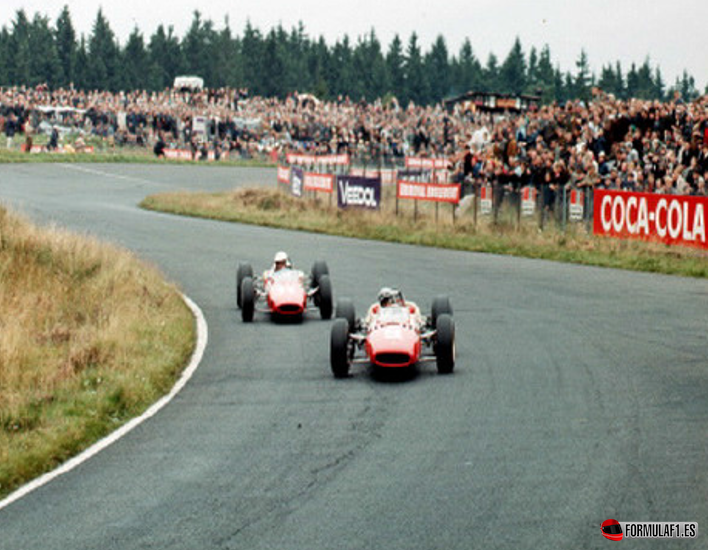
x: 393, y: 334
x: 283, y: 291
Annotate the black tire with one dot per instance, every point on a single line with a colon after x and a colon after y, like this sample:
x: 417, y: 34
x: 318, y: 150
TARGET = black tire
x: 345, y: 310
x: 244, y: 270
x: 441, y: 305
x: 445, y: 344
x: 248, y: 300
x: 319, y: 268
x: 324, y: 297
x: 339, y: 348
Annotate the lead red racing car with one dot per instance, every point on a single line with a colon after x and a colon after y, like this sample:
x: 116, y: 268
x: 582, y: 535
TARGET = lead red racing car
x: 394, y: 334
x: 283, y: 291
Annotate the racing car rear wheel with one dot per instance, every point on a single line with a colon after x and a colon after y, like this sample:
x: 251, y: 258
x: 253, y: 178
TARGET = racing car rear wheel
x: 248, y: 300
x: 244, y: 270
x: 445, y: 344
x: 345, y: 310
x: 339, y: 348
x: 319, y: 268
x: 324, y: 297
x: 441, y: 305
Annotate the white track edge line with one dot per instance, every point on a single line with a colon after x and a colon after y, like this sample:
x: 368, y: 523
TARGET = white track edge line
x: 202, y: 337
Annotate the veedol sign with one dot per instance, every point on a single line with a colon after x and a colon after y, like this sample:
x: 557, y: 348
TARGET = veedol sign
x: 357, y: 191
x: 671, y: 219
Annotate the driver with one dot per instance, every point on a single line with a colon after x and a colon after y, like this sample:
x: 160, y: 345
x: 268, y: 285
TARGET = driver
x: 392, y: 297
x: 280, y: 261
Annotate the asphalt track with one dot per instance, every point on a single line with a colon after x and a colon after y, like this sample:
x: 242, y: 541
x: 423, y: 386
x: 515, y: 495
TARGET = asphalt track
x: 580, y: 394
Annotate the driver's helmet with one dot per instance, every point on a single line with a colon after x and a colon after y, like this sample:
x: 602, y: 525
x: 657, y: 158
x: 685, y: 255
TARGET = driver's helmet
x: 280, y: 261
x: 390, y: 297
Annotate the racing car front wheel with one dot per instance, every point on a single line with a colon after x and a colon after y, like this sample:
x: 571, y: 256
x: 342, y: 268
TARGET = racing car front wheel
x: 445, y: 344
x: 339, y: 348
x: 248, y: 300
x: 324, y: 297
x: 244, y: 270
x: 319, y: 268
x: 441, y: 305
x: 345, y: 310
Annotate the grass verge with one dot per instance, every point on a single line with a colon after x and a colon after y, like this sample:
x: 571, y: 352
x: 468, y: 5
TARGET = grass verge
x: 273, y: 208
x: 89, y: 338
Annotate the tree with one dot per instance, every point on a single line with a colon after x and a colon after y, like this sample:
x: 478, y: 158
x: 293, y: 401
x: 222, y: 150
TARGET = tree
x: 491, y: 79
x: 395, y: 67
x: 251, y: 50
x: 165, y: 58
x: 103, y: 56
x: 370, y: 68
x: 20, y: 63
x: 272, y: 82
x: 342, y: 70
x: 546, y: 76
x: 532, y: 72
x: 467, y: 70
x: 66, y: 46
x: 416, y: 82
x: 513, y: 70
x: 437, y: 69
x: 45, y: 65
x: 583, y: 78
x: 135, y: 62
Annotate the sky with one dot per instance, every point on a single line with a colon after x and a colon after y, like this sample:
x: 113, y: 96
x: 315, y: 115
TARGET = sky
x: 670, y: 34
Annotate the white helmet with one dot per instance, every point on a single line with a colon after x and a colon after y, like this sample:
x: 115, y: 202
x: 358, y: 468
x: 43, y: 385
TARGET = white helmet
x: 280, y: 257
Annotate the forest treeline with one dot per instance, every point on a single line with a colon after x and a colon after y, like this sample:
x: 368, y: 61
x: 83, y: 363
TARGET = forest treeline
x: 36, y: 50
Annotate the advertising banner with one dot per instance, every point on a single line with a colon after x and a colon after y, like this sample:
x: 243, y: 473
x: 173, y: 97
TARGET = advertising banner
x: 528, y: 200
x: 359, y: 192
x: 319, y: 182
x: 486, y: 196
x: 576, y: 206
x: 433, y: 192
x: 670, y: 219
x: 284, y: 175
x: 296, y: 181
x: 425, y: 163
x: 329, y: 160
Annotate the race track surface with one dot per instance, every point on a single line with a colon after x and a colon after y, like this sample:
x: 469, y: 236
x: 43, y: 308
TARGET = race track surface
x: 580, y: 394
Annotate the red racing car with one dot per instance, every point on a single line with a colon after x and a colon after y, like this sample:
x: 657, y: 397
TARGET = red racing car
x: 393, y: 334
x: 283, y: 291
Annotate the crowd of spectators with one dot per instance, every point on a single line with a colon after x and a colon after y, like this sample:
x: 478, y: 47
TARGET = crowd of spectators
x: 650, y: 146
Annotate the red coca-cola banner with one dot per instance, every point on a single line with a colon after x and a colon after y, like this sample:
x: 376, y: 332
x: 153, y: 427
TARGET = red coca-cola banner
x: 319, y: 182
x: 425, y: 163
x: 671, y: 219
x: 329, y: 160
x: 434, y: 192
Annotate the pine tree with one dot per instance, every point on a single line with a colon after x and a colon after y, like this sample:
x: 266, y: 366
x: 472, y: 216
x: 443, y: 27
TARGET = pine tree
x: 583, y: 79
x: 467, y: 70
x: 103, y: 57
x: 437, y: 70
x: 491, y: 80
x: 45, y: 66
x: 513, y: 71
x: 135, y: 62
x: 395, y: 68
x: 251, y: 50
x: 546, y: 76
x: 416, y: 81
x: 532, y: 72
x: 66, y: 46
x: 20, y: 65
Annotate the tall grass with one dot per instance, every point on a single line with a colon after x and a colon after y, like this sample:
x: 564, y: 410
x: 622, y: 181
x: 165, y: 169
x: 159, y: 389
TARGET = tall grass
x: 89, y: 337
x: 273, y: 208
